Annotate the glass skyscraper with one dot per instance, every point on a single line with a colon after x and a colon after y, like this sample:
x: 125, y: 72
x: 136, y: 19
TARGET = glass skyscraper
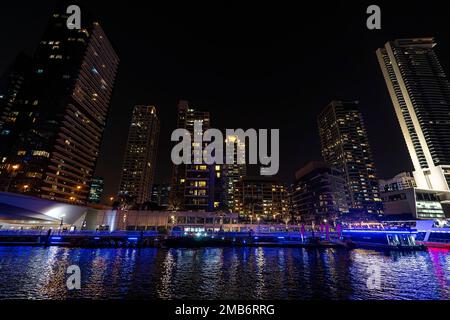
x: 56, y: 122
x: 138, y: 169
x: 345, y: 146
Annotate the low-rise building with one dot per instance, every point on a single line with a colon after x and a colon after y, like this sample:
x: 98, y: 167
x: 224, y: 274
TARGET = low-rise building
x: 401, y: 181
x: 261, y: 198
x: 415, y: 203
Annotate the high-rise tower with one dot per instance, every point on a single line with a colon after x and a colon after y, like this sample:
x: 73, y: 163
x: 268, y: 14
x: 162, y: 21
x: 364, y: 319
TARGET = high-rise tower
x: 345, y: 146
x: 138, y: 169
x: 58, y: 117
x: 11, y: 83
x: 233, y: 173
x: 420, y: 92
x: 192, y: 185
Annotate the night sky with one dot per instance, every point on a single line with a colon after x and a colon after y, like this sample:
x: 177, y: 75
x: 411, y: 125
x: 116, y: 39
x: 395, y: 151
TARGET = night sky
x: 260, y: 66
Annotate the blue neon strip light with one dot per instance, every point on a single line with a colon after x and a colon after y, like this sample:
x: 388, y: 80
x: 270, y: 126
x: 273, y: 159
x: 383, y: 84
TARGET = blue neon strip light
x: 433, y: 231
x: 132, y: 238
x: 378, y: 231
x: 56, y: 238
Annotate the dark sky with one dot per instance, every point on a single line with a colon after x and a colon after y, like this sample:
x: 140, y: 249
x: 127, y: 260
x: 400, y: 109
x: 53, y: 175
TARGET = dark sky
x: 268, y: 66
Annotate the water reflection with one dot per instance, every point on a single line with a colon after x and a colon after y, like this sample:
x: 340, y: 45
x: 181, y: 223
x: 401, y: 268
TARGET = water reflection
x: 222, y: 273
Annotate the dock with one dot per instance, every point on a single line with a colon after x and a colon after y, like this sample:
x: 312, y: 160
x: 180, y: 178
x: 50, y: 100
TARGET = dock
x: 117, y: 239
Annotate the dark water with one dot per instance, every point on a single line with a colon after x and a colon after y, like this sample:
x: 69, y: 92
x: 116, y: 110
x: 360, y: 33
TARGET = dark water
x: 223, y: 273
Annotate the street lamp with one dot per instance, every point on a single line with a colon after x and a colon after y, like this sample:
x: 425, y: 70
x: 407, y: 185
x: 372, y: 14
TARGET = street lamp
x: 286, y: 220
x: 172, y: 219
x: 12, y: 175
x: 77, y: 191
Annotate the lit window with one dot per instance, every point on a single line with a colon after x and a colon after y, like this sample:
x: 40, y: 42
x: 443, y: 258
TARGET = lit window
x: 202, y: 183
x: 40, y: 153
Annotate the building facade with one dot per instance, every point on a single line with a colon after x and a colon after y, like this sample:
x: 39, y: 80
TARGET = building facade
x: 420, y: 93
x: 401, y: 181
x: 96, y: 190
x: 138, y: 170
x: 233, y: 173
x: 160, y: 195
x: 192, y: 185
x: 345, y: 146
x: 413, y: 203
x: 58, y: 117
x: 261, y: 199
x: 11, y: 84
x: 319, y: 193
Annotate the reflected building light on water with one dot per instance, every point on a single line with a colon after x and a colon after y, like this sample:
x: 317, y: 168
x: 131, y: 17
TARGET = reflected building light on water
x: 52, y: 279
x: 223, y: 273
x: 331, y: 269
x: 281, y: 260
x: 211, y: 262
x: 260, y: 264
x: 165, y: 287
x: 442, y: 276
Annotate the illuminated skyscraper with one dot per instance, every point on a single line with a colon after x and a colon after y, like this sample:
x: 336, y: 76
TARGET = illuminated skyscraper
x: 58, y: 117
x: 420, y: 92
x: 11, y: 84
x: 233, y: 173
x: 345, y: 146
x: 192, y: 184
x: 138, y: 169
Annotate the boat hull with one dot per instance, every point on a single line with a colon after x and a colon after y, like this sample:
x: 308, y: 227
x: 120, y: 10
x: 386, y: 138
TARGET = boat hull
x: 435, y: 245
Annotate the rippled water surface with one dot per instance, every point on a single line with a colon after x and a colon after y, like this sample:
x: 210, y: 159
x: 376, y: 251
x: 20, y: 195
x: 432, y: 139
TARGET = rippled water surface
x: 223, y: 273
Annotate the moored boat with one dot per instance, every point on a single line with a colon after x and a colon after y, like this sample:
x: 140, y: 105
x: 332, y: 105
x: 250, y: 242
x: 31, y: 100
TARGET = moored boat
x: 433, y: 233
x: 375, y: 235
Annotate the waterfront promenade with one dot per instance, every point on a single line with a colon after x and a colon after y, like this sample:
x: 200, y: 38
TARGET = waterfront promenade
x: 158, y: 239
